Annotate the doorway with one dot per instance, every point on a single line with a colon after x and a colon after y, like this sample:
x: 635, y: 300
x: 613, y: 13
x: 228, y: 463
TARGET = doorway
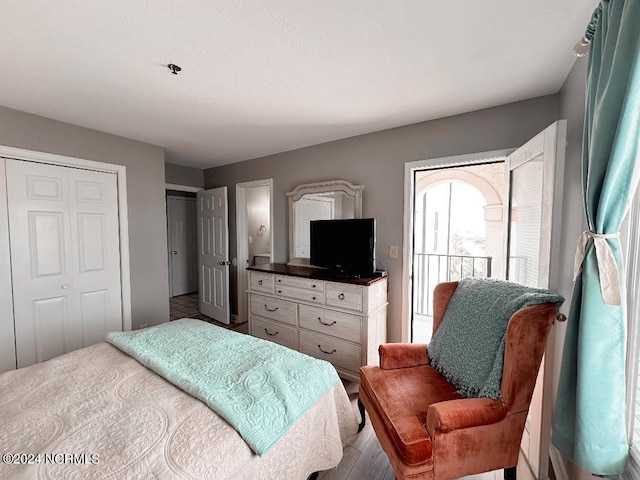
x: 92, y: 231
x: 177, y: 301
x: 182, y: 243
x: 453, y: 229
x: 254, y: 237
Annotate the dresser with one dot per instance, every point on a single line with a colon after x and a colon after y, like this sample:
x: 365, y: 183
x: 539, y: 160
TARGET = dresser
x: 341, y: 320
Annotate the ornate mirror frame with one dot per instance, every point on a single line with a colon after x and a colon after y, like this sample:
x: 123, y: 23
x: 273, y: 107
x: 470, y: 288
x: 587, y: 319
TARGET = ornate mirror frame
x: 342, y: 186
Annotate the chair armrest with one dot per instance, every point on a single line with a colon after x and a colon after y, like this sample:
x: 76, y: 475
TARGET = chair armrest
x: 451, y: 415
x: 403, y: 355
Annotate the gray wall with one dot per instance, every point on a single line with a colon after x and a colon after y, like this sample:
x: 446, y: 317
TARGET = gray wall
x: 145, y: 192
x: 181, y: 175
x: 572, y: 102
x: 377, y: 161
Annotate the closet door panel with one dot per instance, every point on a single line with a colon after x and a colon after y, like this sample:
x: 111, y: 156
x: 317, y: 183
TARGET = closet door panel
x: 53, y: 329
x: 96, y: 261
x: 41, y: 251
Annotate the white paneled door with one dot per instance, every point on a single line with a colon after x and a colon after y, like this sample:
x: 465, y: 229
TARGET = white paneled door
x: 65, y: 258
x: 213, y: 253
x: 535, y: 174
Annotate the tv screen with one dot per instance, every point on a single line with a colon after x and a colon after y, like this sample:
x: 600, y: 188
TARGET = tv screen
x: 344, y: 246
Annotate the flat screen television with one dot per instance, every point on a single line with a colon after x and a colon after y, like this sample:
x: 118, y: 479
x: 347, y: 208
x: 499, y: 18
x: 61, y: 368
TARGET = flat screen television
x: 346, y: 247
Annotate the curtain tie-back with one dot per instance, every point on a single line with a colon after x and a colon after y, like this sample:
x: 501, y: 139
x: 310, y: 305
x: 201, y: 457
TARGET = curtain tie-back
x: 607, y: 266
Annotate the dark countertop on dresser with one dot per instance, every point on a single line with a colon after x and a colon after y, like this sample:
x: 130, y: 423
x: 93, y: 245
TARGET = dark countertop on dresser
x: 313, y: 272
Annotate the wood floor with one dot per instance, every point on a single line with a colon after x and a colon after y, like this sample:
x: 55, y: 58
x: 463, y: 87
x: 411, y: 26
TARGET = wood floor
x: 364, y: 459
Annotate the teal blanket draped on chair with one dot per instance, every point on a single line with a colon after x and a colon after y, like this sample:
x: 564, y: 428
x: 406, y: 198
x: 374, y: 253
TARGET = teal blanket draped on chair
x: 589, y: 426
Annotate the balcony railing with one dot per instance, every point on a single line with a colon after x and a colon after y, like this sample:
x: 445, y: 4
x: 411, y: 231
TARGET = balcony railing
x: 429, y: 269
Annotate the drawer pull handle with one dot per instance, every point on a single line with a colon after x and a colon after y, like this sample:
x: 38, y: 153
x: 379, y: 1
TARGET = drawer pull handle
x: 313, y: 286
x: 341, y: 296
x: 279, y: 280
x: 327, y: 324
x: 269, y: 333
x: 259, y: 282
x: 269, y: 309
x: 279, y: 291
x: 328, y: 353
x: 313, y: 298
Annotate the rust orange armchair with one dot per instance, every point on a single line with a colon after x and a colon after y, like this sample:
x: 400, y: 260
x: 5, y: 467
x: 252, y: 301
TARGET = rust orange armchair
x: 427, y: 429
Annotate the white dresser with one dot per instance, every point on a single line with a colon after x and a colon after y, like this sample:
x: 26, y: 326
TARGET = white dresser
x: 339, y: 320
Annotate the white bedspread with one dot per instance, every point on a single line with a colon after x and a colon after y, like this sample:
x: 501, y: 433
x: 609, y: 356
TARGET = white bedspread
x: 98, y: 401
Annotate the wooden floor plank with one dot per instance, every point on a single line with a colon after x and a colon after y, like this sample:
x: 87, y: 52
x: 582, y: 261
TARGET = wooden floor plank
x: 372, y: 463
x: 342, y: 471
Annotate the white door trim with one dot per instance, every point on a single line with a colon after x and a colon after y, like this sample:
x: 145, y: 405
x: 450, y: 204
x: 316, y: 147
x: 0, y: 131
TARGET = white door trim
x: 182, y: 188
x: 409, y: 169
x: 121, y: 173
x: 242, y: 232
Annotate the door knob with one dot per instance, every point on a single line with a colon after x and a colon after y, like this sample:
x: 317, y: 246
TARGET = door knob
x: 64, y: 287
x: 224, y: 263
x: 174, y: 252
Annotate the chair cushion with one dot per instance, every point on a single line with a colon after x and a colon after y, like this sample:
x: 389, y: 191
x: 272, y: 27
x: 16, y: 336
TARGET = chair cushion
x: 468, y: 346
x: 401, y: 399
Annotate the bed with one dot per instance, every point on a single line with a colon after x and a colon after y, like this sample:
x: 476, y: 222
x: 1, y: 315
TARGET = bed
x: 99, y: 413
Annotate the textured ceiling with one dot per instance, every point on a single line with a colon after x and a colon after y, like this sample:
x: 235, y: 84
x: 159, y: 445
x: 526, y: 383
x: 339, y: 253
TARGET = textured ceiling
x: 266, y: 76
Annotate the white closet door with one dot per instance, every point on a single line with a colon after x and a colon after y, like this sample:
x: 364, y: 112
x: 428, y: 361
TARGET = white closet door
x: 96, y: 247
x: 65, y: 258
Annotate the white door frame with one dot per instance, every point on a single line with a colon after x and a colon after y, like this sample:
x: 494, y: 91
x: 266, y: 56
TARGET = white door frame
x: 182, y: 188
x: 123, y: 216
x: 410, y: 168
x: 242, y: 232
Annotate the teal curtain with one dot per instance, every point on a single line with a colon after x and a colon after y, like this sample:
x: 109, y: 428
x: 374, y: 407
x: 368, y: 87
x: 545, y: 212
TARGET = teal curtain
x: 589, y: 426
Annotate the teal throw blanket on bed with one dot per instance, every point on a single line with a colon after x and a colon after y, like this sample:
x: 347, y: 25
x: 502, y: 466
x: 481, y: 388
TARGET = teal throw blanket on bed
x: 259, y: 387
x: 468, y: 346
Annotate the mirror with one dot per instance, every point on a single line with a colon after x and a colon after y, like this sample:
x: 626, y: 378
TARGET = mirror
x: 319, y: 201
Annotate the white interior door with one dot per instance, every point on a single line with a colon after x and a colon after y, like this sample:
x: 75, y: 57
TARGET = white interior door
x: 183, y: 246
x: 535, y: 175
x: 213, y: 253
x: 65, y: 258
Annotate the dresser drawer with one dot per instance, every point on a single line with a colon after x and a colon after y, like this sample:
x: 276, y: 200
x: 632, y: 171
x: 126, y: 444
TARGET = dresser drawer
x: 306, y: 283
x: 275, y: 332
x: 274, y: 308
x: 261, y: 282
x: 300, y: 294
x: 345, y: 296
x: 329, y: 322
x: 338, y: 352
